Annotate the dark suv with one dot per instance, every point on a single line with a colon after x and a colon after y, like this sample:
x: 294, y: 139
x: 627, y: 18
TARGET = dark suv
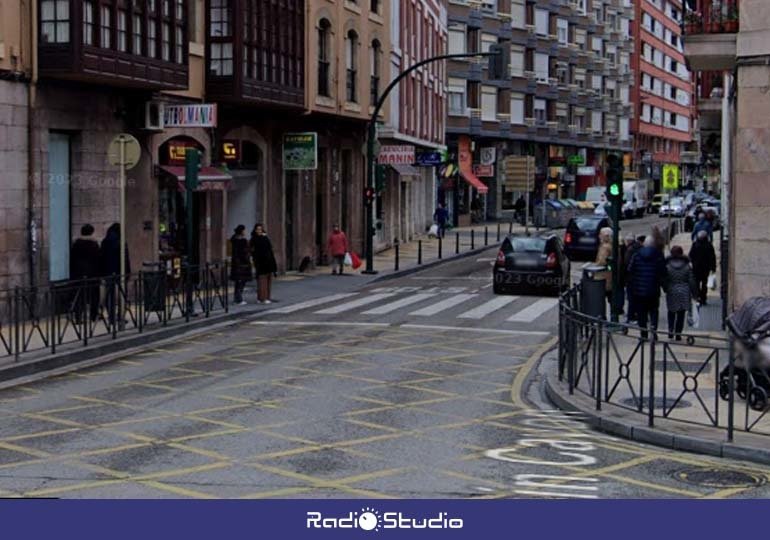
x: 581, y: 240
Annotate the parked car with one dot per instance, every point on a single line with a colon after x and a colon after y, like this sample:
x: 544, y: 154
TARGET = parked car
x: 674, y: 208
x: 531, y: 264
x: 581, y: 239
x: 658, y: 200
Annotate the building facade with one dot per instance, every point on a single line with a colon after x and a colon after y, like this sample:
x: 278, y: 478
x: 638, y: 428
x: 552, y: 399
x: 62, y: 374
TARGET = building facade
x: 663, y: 97
x: 418, y: 30
x: 566, y: 102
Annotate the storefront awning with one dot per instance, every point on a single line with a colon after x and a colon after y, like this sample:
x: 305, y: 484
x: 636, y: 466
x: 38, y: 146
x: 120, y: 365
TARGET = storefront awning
x: 209, y: 178
x: 405, y: 170
x: 473, y: 180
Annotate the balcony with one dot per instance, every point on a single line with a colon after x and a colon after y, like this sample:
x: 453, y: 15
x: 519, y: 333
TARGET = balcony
x: 113, y: 47
x: 709, y: 35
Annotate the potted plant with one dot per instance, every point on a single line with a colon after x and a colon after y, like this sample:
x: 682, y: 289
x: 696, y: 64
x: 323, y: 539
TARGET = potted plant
x: 692, y: 23
x: 731, y: 20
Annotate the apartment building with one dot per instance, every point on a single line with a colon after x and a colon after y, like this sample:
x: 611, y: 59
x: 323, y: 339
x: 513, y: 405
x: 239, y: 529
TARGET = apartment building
x: 416, y: 122
x: 567, y: 102
x: 664, y: 96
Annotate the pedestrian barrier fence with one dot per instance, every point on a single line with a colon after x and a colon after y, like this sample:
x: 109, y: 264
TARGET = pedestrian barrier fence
x: 692, y: 378
x: 76, y: 311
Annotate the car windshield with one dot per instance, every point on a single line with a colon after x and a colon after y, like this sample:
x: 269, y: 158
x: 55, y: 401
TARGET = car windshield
x: 587, y: 224
x: 531, y: 245
x: 676, y: 201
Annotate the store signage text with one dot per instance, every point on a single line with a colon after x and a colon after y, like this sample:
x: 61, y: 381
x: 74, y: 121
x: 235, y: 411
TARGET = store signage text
x: 202, y: 115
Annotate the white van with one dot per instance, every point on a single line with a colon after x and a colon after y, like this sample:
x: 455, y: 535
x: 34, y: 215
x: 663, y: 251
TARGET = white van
x: 596, y: 195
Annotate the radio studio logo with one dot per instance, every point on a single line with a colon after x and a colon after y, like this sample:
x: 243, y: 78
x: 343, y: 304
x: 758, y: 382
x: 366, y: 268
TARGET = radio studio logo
x: 370, y: 519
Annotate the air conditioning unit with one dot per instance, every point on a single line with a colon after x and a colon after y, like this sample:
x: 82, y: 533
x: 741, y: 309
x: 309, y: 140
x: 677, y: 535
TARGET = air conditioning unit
x: 153, y: 116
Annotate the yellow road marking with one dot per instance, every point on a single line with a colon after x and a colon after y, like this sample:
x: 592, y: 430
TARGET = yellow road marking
x: 523, y: 373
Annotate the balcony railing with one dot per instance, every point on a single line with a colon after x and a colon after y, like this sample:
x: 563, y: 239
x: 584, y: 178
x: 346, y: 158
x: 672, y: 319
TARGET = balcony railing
x: 713, y: 17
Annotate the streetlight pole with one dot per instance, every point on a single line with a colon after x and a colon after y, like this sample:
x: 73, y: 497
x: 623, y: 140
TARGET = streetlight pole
x: 372, y: 135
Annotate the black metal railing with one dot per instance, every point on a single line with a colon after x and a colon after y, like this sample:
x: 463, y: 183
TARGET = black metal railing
x: 34, y: 320
x: 692, y: 378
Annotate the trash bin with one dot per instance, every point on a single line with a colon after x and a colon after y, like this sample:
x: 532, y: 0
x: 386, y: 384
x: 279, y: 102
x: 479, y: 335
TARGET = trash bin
x: 592, y: 292
x: 154, y: 286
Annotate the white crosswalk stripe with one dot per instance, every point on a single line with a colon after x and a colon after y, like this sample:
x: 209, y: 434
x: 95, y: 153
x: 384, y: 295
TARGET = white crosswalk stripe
x: 366, y: 300
x: 312, y: 303
x: 443, y: 305
x: 488, y: 307
x: 398, y: 304
x: 533, y: 311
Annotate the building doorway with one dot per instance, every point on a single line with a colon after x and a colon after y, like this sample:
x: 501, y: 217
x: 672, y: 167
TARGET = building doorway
x: 59, y: 218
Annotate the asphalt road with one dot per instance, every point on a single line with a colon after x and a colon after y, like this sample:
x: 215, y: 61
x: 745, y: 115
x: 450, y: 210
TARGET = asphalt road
x: 424, y: 386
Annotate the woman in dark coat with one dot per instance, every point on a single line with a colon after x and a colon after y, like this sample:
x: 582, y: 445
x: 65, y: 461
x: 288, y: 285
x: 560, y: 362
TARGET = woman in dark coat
x: 680, y: 287
x: 240, y: 269
x: 264, y: 262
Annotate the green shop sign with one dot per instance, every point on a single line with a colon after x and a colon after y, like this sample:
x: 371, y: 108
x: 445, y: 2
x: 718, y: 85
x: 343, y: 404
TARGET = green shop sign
x: 300, y: 151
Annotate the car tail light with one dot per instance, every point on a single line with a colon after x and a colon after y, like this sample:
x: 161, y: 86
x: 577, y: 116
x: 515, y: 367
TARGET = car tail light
x: 568, y: 238
x: 500, y: 258
x: 550, y: 262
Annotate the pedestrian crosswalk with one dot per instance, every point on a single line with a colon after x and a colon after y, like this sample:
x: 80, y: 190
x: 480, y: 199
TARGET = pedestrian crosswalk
x: 472, y: 306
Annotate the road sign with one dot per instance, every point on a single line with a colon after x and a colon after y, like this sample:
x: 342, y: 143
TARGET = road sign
x: 519, y: 173
x: 428, y: 159
x: 577, y: 159
x: 488, y: 155
x: 300, y: 151
x: 131, y: 151
x: 670, y: 177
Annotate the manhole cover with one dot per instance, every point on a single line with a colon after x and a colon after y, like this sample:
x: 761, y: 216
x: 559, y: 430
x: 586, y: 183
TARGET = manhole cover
x: 634, y: 402
x: 719, y: 478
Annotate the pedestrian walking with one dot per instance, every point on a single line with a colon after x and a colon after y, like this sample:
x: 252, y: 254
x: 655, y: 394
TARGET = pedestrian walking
x: 603, y: 256
x: 109, y: 261
x: 702, y: 224
x: 628, y: 250
x: 240, y: 263
x: 440, y: 217
x: 519, y: 208
x: 84, y: 265
x: 647, y: 270
x: 264, y: 263
x: 337, y: 246
x: 680, y: 288
x: 704, y: 261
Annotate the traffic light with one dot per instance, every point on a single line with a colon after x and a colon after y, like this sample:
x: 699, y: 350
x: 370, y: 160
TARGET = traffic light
x: 614, y: 178
x: 369, y: 195
x: 379, y: 178
x: 498, y: 62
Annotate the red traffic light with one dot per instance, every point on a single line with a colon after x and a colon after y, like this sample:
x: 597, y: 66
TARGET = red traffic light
x: 369, y: 195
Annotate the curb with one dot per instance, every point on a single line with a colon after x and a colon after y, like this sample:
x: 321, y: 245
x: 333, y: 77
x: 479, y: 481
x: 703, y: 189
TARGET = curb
x: 657, y: 437
x: 432, y: 264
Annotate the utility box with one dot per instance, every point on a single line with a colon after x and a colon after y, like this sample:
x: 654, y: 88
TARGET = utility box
x: 593, y: 287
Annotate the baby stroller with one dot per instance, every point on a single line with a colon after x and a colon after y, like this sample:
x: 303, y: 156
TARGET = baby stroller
x: 749, y: 327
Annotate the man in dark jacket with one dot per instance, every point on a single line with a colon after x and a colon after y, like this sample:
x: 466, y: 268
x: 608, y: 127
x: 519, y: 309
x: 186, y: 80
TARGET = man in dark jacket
x: 647, y: 270
x: 84, y: 265
x: 109, y: 258
x: 704, y: 261
x: 632, y: 246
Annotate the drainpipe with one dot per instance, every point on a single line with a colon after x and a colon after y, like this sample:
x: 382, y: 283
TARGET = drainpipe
x: 32, y: 242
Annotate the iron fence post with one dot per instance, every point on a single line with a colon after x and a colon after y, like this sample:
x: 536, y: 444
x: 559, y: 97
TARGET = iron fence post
x: 85, y: 318
x: 510, y: 227
x: 419, y: 251
x: 52, y: 325
x: 206, y: 291
x: 140, y: 300
x: 187, y: 293
x: 473, y: 241
x: 486, y: 235
x: 498, y: 232
x: 731, y: 395
x: 439, y: 247
x: 651, y: 396
x: 599, y: 363
x: 572, y: 355
x: 114, y: 293
x: 457, y: 243
x: 223, y: 281
x: 17, y: 318
x: 396, y: 264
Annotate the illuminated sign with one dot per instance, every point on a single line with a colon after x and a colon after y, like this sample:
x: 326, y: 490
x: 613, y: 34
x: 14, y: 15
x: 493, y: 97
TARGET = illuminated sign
x: 230, y: 151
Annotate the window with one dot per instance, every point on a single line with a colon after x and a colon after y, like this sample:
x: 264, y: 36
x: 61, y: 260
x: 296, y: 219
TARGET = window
x: 472, y: 43
x: 517, y: 61
x: 518, y: 14
x: 351, y: 63
x: 674, y: 67
x: 541, y: 22
x: 375, y: 75
x: 55, y: 21
x: 517, y: 108
x: 88, y: 23
x: 122, y: 31
x: 152, y: 42
x: 374, y: 6
x: 324, y: 35
x: 672, y: 119
x: 136, y: 48
x: 671, y: 92
x: 596, y: 45
x: 220, y: 18
x: 541, y: 67
x: 106, y: 29
x: 487, y: 40
x: 221, y: 60
x: 597, y: 121
x: 179, y: 45
x: 488, y: 103
x: 166, y: 41
x: 562, y: 28
x: 540, y: 111
x: 456, y: 96
x: 456, y: 38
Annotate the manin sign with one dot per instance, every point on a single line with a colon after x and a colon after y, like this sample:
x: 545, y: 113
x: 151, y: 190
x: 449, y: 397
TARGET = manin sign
x: 396, y: 155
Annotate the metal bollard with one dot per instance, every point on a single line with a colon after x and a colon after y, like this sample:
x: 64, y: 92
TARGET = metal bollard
x: 510, y: 227
x: 439, y: 247
x: 473, y: 243
x: 457, y: 243
x: 419, y: 251
x: 486, y: 235
x: 498, y: 232
x: 397, y: 256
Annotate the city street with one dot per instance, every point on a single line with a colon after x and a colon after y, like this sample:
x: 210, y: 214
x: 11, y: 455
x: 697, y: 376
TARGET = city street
x: 423, y: 386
